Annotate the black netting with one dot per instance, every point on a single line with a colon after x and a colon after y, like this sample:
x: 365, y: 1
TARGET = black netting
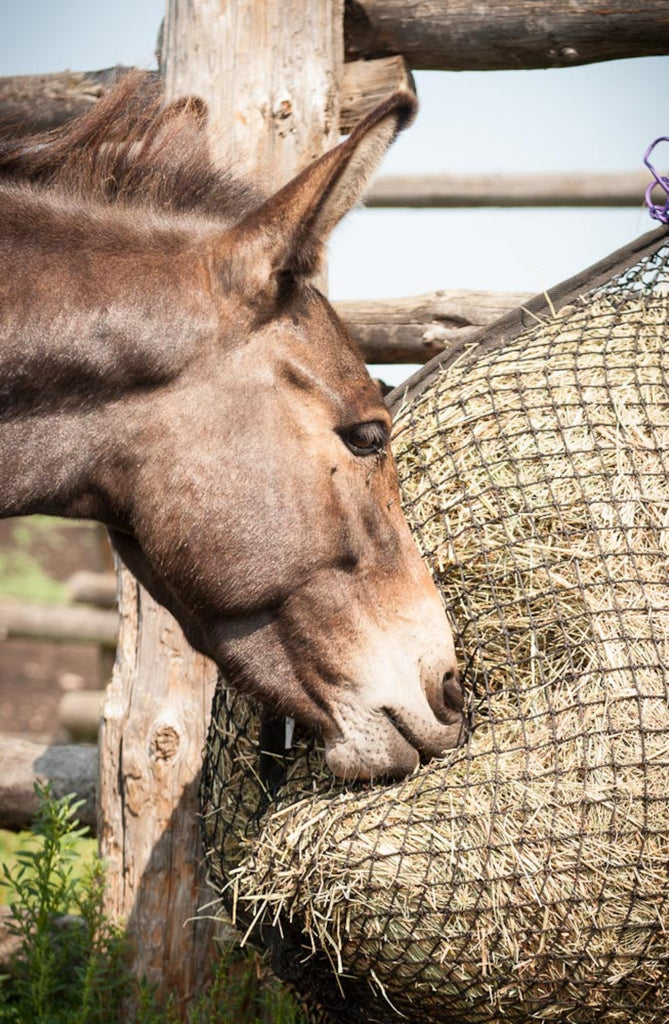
x: 527, y: 875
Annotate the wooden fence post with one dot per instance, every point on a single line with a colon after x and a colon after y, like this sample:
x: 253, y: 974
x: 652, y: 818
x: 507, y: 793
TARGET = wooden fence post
x: 270, y: 71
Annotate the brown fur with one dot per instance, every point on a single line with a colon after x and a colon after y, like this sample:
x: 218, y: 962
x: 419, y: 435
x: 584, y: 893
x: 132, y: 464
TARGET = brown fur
x: 131, y: 149
x: 167, y: 368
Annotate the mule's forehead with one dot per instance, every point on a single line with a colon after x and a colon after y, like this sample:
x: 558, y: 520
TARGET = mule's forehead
x: 314, y: 354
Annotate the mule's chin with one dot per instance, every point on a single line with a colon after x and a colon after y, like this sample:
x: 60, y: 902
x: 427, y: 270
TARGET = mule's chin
x: 347, y: 762
x: 383, y: 751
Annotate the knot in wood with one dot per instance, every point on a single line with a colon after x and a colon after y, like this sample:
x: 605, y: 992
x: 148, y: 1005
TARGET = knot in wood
x: 435, y: 333
x: 564, y: 54
x: 164, y: 743
x: 283, y: 107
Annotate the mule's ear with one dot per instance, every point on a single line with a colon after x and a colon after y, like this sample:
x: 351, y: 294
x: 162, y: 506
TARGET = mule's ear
x: 286, y: 235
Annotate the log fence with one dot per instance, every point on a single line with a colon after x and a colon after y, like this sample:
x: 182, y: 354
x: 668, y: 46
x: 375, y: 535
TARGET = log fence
x: 448, y: 191
x: 38, y: 102
x: 413, y: 330
x: 285, y: 107
x: 58, y: 624
x: 92, y: 620
x: 70, y: 768
x: 487, y: 36
x: 92, y: 588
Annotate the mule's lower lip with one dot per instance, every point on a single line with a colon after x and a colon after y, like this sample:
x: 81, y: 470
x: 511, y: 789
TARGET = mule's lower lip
x: 399, y: 753
x: 348, y: 763
x: 427, y: 748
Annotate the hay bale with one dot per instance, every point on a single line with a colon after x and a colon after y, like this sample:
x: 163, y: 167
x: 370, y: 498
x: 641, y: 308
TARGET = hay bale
x: 526, y: 876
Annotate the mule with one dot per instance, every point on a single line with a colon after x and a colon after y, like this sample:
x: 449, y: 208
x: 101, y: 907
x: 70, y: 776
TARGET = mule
x: 170, y: 369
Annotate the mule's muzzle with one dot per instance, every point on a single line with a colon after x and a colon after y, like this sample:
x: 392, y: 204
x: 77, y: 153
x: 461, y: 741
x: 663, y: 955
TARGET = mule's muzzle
x: 392, y: 741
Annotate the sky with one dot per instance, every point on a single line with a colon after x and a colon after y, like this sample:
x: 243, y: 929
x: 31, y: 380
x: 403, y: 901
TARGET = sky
x: 597, y: 117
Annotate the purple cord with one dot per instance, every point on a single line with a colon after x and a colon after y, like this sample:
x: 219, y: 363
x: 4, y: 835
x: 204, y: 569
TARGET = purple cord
x: 656, y: 211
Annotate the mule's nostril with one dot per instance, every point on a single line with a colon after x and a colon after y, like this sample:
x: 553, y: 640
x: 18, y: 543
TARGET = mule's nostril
x: 453, y: 694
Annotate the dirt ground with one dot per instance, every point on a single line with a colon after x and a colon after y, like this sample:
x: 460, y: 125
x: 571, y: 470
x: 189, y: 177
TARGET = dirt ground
x: 34, y: 556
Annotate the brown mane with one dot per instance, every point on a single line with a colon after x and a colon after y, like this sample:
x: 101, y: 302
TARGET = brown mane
x: 132, y: 149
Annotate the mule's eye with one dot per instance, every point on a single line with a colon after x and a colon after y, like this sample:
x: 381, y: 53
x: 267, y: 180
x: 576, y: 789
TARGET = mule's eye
x: 366, y: 438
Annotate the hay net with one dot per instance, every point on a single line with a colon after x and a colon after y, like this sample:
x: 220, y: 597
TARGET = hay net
x: 525, y: 876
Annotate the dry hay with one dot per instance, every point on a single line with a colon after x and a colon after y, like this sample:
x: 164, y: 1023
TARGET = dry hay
x: 527, y: 876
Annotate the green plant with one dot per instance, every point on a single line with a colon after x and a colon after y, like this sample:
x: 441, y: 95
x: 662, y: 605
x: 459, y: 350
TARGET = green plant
x: 23, y: 575
x: 243, y: 990
x: 71, y: 968
x: 13, y: 843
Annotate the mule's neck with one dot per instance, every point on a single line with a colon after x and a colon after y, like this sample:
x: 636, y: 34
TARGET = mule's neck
x: 95, y: 317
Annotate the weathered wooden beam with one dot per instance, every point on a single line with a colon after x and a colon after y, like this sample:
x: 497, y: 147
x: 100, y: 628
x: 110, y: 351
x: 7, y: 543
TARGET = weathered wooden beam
x: 431, y: 34
x: 96, y: 588
x: 79, y: 713
x: 33, y: 103
x: 413, y: 330
x: 539, y: 189
x: 58, y: 624
x: 37, y: 102
x: 486, y: 36
x: 69, y: 769
x: 365, y: 83
x: 42, y: 101
x: 30, y: 103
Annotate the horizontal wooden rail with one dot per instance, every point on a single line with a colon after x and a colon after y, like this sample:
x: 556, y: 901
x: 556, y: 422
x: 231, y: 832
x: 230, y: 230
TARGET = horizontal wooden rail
x: 365, y: 83
x: 69, y: 769
x: 33, y: 103
x: 457, y: 35
x: 96, y: 588
x: 571, y: 188
x: 79, y: 713
x: 30, y: 103
x: 58, y: 624
x: 486, y: 36
x: 413, y: 330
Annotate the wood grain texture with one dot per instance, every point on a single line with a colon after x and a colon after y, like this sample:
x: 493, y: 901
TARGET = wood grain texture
x: 413, y: 330
x: 33, y: 103
x: 365, y: 83
x: 39, y: 102
x: 572, y: 188
x: 270, y: 72
x: 485, y: 36
x: 150, y: 746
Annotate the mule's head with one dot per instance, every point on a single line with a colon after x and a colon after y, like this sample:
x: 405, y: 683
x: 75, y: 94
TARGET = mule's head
x: 267, y: 513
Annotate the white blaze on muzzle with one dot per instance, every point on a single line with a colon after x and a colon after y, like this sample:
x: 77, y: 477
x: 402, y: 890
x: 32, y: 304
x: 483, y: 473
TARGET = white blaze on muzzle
x: 407, y: 708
